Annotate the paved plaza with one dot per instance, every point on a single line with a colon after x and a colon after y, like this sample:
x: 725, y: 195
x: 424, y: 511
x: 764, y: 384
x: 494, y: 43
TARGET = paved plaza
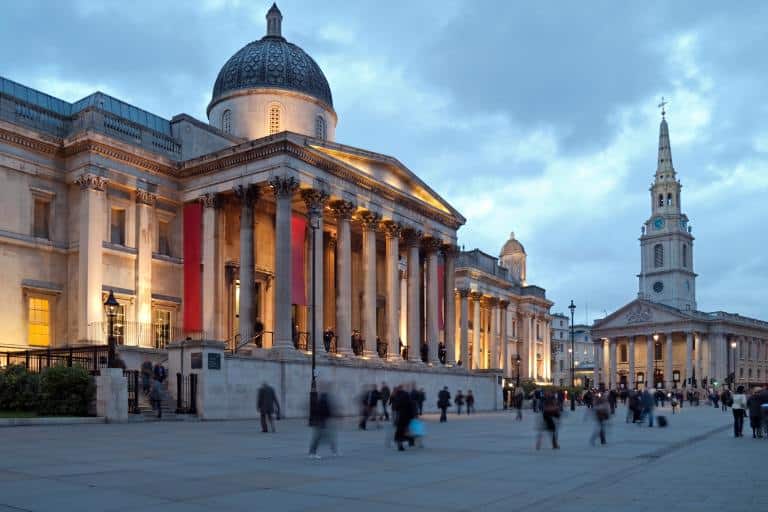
x: 486, y: 462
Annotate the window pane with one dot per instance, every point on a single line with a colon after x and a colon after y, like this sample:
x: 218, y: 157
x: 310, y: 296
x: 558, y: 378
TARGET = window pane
x: 117, y: 231
x: 164, y: 243
x: 42, y: 217
x: 39, y: 322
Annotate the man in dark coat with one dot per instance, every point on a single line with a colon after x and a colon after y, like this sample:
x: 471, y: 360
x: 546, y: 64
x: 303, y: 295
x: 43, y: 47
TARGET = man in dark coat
x: 404, y: 409
x: 267, y: 404
x: 321, y: 415
x: 443, y: 402
x: 384, y: 394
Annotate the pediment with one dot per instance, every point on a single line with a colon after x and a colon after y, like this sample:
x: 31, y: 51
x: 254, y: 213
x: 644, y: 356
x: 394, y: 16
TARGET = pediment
x: 640, y: 313
x: 387, y: 171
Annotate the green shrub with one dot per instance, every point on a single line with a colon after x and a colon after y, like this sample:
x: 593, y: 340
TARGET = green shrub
x: 56, y: 391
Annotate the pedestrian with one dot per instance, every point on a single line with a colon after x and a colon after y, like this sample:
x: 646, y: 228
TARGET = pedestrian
x: 725, y: 398
x: 601, y: 412
x: 328, y: 339
x: 156, y: 397
x: 384, y: 395
x: 612, y: 400
x: 647, y: 404
x: 739, y: 409
x: 470, y: 402
x: 458, y: 401
x: 369, y: 399
x: 159, y: 372
x: 443, y: 402
x: 267, y: 404
x: 519, y: 398
x: 404, y: 410
x: 421, y: 398
x: 146, y: 376
x: 321, y: 414
x: 755, y: 413
x: 715, y: 399
x: 673, y: 402
x: 415, y: 397
x: 550, y: 412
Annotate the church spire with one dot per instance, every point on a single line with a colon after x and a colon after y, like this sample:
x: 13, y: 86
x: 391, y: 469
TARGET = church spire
x: 664, y: 165
x: 274, y: 22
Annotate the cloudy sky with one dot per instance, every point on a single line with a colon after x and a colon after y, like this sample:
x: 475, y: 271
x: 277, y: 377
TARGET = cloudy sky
x: 537, y: 117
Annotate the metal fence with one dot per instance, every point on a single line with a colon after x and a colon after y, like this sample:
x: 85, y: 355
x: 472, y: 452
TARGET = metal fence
x: 186, y: 393
x: 92, y: 358
x: 132, y: 376
x: 138, y: 334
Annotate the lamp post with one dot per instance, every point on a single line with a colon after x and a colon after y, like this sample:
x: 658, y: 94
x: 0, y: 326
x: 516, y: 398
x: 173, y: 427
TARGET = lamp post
x: 517, y: 363
x: 572, y: 307
x: 110, y: 306
x: 732, y: 377
x: 314, y: 225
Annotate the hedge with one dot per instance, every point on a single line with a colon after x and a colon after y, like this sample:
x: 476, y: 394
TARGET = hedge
x: 56, y: 391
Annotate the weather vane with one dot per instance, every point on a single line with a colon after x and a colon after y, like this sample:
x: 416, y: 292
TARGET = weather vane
x: 662, y: 106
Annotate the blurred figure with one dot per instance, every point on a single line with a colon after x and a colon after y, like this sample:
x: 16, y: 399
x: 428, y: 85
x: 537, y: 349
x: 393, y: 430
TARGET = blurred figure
x: 647, y: 403
x: 420, y: 398
x: 156, y: 396
x: 470, y: 402
x: 519, y: 398
x: 370, y: 398
x: 725, y: 398
x: 321, y: 415
x: 739, y: 409
x: 443, y: 402
x: 612, y: 400
x: 549, y: 414
x: 754, y: 404
x: 673, y: 402
x: 404, y: 410
x: 715, y: 399
x: 384, y: 395
x: 266, y: 402
x: 459, y: 401
x: 327, y: 339
x: 146, y: 376
x: 601, y: 412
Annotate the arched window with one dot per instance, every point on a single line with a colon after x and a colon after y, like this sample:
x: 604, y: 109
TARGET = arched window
x: 669, y: 199
x: 658, y: 255
x: 274, y: 119
x: 320, y: 127
x: 661, y: 199
x: 226, y: 121
x: 685, y: 255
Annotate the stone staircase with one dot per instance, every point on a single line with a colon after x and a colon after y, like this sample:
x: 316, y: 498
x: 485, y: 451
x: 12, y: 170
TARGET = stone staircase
x: 167, y: 406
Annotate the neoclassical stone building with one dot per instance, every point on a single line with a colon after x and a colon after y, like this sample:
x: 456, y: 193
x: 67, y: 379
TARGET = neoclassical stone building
x: 501, y: 316
x: 240, y: 229
x: 661, y: 339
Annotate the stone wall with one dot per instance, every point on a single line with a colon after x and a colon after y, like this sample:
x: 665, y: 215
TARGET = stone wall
x: 230, y: 392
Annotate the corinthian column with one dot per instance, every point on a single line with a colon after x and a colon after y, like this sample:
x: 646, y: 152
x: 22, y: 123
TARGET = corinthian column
x: 248, y: 195
x: 343, y: 210
x: 631, y: 358
x: 493, y: 333
x: 449, y: 300
x: 392, y: 231
x: 369, y: 221
x: 283, y: 187
x: 668, y: 366
x: 433, y: 332
x: 464, y: 327
x: 503, y: 337
x: 413, y: 241
x: 91, y: 234
x: 315, y: 201
x: 476, y: 361
x: 145, y: 203
x: 209, y: 264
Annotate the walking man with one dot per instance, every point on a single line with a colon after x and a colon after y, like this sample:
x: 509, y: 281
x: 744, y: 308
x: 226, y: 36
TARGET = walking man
x: 267, y: 404
x: 443, y: 402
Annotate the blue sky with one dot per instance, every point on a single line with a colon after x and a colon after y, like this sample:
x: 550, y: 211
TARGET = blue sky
x: 533, y: 117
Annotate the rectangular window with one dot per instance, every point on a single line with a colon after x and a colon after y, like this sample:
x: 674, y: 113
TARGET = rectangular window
x: 120, y: 326
x: 162, y: 328
x: 39, y: 322
x: 657, y: 351
x: 623, y: 353
x: 561, y: 365
x: 41, y: 228
x: 164, y: 238
x: 117, y: 227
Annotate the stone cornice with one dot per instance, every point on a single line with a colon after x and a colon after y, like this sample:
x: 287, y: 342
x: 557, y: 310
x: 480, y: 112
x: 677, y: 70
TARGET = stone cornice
x: 88, y: 145
x: 40, y: 146
x: 145, y: 197
x: 91, y: 181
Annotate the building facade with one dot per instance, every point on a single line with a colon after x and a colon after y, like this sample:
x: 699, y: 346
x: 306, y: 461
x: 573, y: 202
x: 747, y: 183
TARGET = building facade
x: 661, y: 339
x: 242, y: 229
x: 503, y: 322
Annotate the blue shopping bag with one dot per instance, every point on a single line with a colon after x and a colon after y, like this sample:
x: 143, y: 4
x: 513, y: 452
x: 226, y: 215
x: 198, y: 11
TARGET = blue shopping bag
x: 417, y: 428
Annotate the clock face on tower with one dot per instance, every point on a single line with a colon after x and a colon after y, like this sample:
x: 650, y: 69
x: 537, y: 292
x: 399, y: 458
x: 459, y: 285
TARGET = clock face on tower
x: 658, y: 287
x: 658, y: 222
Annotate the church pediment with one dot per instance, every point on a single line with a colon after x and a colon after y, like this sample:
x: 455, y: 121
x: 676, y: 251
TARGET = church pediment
x: 640, y: 313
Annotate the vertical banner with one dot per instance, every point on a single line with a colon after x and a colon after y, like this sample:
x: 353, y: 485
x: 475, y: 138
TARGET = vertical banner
x: 441, y: 295
x: 298, y: 275
x: 193, y: 245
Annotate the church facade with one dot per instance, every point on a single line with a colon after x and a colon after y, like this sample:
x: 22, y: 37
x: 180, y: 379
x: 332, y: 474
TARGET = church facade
x: 661, y: 339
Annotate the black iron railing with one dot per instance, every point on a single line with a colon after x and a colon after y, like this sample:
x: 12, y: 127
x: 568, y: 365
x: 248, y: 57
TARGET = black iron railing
x: 133, y: 390
x: 186, y: 393
x: 92, y: 358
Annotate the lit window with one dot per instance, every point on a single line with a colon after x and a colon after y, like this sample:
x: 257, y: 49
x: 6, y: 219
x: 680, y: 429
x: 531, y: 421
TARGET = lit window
x: 658, y: 255
x: 117, y: 227
x: 274, y: 119
x: 164, y: 238
x: 320, y: 127
x: 39, y: 322
x: 226, y: 121
x: 162, y: 328
x: 120, y: 326
x: 41, y: 228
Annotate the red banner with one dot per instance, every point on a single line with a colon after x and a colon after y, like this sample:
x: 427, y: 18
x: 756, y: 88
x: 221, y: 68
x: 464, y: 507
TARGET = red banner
x: 298, y: 236
x: 193, y: 246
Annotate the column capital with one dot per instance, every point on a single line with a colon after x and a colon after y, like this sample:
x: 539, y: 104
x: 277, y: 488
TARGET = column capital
x: 209, y: 200
x: 315, y: 200
x: 332, y: 242
x: 247, y: 194
x: 368, y: 220
x: 463, y: 292
x: 492, y: 302
x: 145, y: 197
x: 342, y: 209
x: 391, y: 228
x: 431, y: 244
x: 450, y: 250
x: 91, y: 182
x: 503, y: 304
x: 476, y: 295
x: 412, y: 237
x: 283, y: 186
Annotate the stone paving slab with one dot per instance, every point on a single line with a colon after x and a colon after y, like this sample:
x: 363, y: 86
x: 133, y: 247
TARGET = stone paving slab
x: 484, y: 462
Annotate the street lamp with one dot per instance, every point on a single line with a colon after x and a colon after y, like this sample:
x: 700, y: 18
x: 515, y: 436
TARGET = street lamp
x: 314, y: 225
x: 572, y: 307
x: 517, y: 362
x: 732, y: 377
x: 110, y: 307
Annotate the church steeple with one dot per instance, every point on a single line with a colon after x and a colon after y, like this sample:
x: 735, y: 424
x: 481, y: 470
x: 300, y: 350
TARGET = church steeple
x: 274, y: 22
x: 664, y: 167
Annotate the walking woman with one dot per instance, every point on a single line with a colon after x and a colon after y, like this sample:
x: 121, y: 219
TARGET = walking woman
x: 739, y: 408
x: 755, y: 413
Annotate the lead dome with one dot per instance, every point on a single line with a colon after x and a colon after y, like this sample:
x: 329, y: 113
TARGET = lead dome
x: 513, y: 257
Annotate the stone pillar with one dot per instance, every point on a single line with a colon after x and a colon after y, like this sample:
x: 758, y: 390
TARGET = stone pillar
x: 283, y: 188
x: 688, y: 358
x: 329, y: 284
x: 403, y: 306
x: 315, y: 201
x: 248, y: 195
x: 699, y: 344
x: 145, y: 203
x: 413, y: 241
x: 668, y: 367
x: 493, y: 333
x: 464, y: 327
x: 89, y: 267
x: 432, y: 245
x: 112, y: 395
x: 369, y: 222
x: 505, y: 361
x: 449, y: 300
x: 209, y: 288
x: 343, y: 211
x: 476, y: 298
x: 649, y: 346
x: 393, y: 231
x: 612, y: 372
x: 631, y: 360
x: 596, y: 369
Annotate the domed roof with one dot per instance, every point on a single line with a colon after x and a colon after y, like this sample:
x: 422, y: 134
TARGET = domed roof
x: 272, y: 62
x: 512, y: 246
